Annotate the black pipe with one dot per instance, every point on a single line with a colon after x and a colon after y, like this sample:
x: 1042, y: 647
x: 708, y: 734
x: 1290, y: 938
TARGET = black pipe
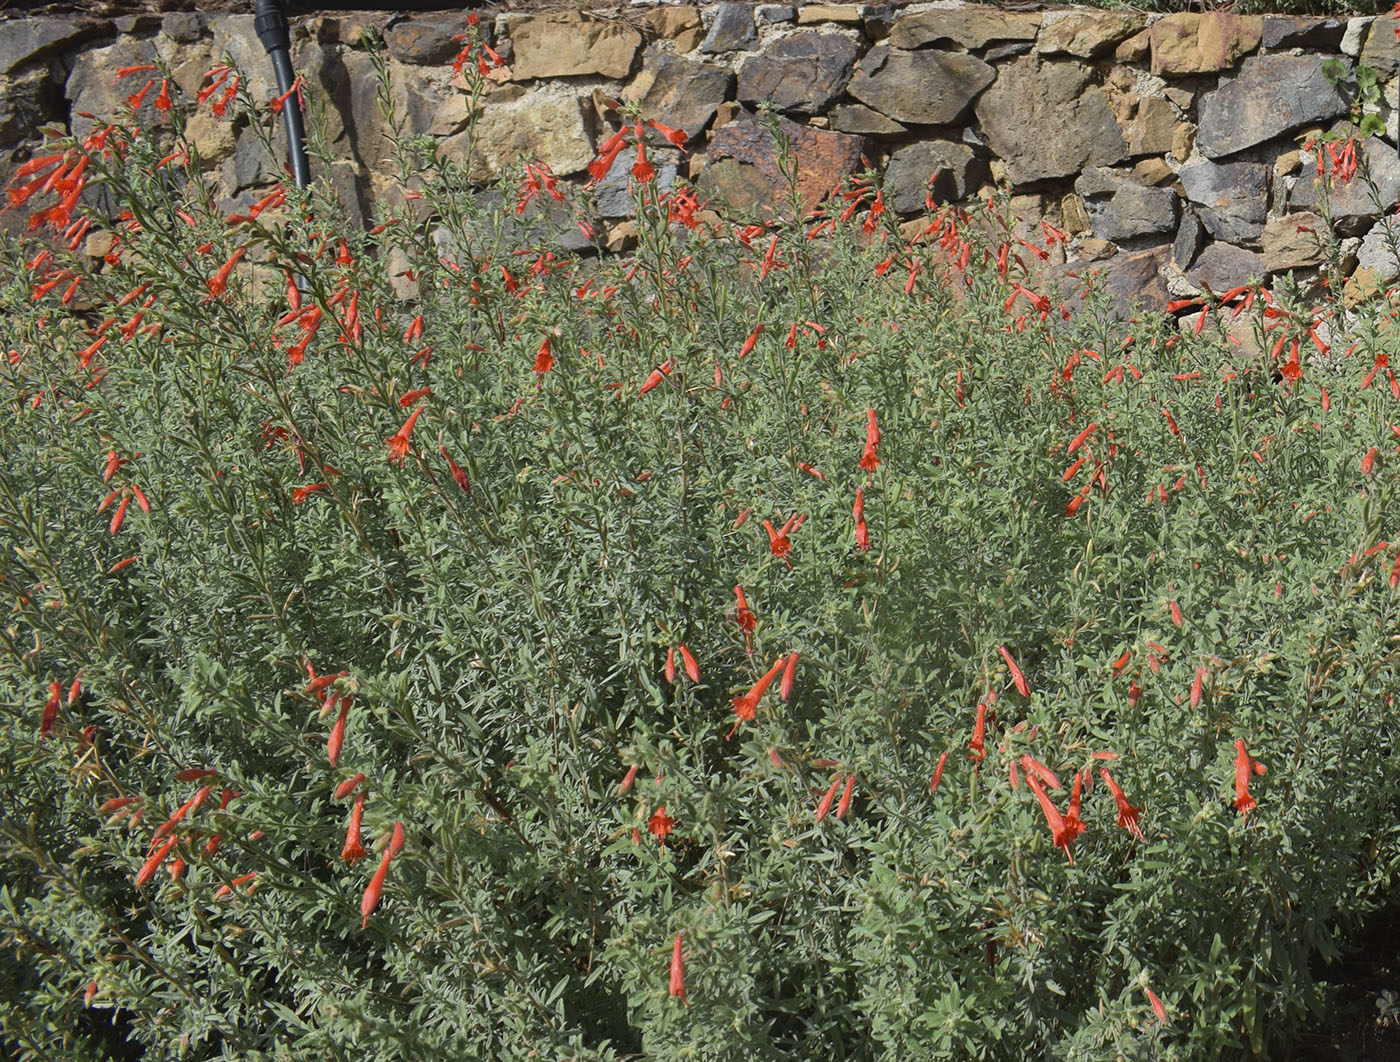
x: 273, y: 29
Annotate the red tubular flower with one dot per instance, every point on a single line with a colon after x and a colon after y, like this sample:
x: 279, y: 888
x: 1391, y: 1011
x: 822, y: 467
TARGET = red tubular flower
x: 691, y: 667
x: 778, y: 542
x: 745, y: 704
x: 544, y: 358
x: 458, y: 475
x: 978, y: 744
x: 1127, y: 814
x: 660, y: 824
x: 345, y: 788
x: 46, y: 721
x: 119, y: 517
x: 1074, y: 825
x: 1061, y: 833
x: 627, y: 780
x: 1197, y: 687
x: 642, y: 170
x: 789, y: 673
x: 845, y: 803
x: 657, y: 375
x: 152, y: 864
x: 1044, y: 773
x: 743, y: 616
x: 218, y: 283
x: 396, y: 840
x: 671, y: 665
x: 399, y: 441
x: 676, y: 136
x: 1245, y: 764
x: 1016, y: 676
x: 370, y: 900
x: 936, y: 780
x: 869, y: 460
x: 677, y: 987
x: 354, y: 850
x: 1157, y: 1007
x: 825, y: 804
x: 747, y: 348
x: 337, y: 734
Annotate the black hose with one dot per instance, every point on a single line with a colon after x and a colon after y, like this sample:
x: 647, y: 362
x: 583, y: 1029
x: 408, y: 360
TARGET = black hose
x: 270, y: 22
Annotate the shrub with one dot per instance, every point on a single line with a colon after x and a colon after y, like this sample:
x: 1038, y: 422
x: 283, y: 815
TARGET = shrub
x: 719, y: 631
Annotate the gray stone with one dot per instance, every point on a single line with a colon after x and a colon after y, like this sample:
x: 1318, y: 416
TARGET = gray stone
x: 1272, y: 94
x: 741, y: 164
x: 1232, y: 197
x: 1087, y: 34
x: 860, y: 119
x: 997, y: 53
x: 772, y: 14
x: 1190, y: 237
x: 1289, y: 31
x: 1379, y: 50
x: 93, y: 88
x: 681, y: 93
x: 1294, y: 241
x: 1352, y: 204
x: 970, y: 27
x: 29, y: 40
x: 1132, y: 280
x: 927, y: 87
x: 1028, y: 99
x: 1221, y: 267
x: 1120, y: 208
x: 249, y: 165
x: 804, y: 73
x: 1355, y: 34
x: 731, y: 29
x: 942, y: 169
x: 613, y: 193
x: 426, y: 40
x: 1378, y: 251
x: 184, y: 27
x: 24, y: 107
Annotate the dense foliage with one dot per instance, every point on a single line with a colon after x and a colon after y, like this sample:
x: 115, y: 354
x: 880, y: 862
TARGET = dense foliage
x: 715, y: 651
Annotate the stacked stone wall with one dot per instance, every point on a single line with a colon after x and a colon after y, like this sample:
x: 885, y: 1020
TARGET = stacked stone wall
x: 1178, y: 151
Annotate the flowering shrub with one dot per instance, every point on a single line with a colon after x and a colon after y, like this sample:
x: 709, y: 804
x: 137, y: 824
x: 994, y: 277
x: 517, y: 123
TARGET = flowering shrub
x: 800, y: 639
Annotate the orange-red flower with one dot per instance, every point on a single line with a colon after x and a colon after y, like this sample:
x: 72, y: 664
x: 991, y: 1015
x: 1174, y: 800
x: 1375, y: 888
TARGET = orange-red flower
x: 746, y: 703
x: 370, y: 900
x: 677, y: 987
x: 691, y: 667
x: 354, y: 850
x: 1062, y: 833
x: 660, y: 824
x: 1245, y: 764
x: 544, y: 358
x: 1016, y: 676
x: 46, y: 721
x: 1127, y: 814
x: 978, y: 744
x: 825, y: 805
x: 869, y: 460
x: 399, y: 441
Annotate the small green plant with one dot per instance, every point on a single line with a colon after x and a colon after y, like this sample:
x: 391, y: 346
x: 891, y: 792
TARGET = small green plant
x: 1365, y: 104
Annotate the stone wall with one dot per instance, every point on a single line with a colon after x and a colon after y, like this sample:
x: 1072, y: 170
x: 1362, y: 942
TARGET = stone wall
x: 1170, y: 147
